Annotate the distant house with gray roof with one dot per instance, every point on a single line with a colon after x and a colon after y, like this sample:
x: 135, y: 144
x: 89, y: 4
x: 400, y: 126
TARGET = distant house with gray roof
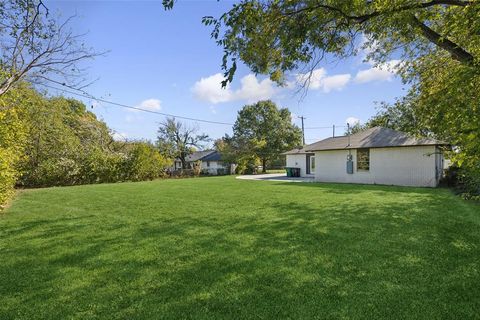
x: 210, y: 162
x: 374, y: 156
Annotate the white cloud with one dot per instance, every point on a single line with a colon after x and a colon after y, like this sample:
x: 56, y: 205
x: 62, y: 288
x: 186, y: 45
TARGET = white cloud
x: 210, y: 89
x: 382, y: 72
x: 253, y: 90
x: 150, y: 104
x: 119, y: 136
x: 213, y: 109
x: 320, y: 81
x: 352, y: 121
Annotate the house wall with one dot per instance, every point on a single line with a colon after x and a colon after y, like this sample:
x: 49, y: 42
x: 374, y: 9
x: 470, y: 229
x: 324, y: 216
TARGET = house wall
x: 404, y: 166
x: 177, y: 165
x: 214, y: 165
x: 298, y: 161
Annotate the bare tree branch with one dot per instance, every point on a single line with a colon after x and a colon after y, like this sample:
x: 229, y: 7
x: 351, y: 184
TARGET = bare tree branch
x: 39, y: 47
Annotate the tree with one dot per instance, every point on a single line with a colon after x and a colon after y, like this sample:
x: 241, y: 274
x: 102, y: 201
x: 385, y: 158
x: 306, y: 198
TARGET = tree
x: 402, y: 115
x: 67, y: 143
x: 38, y: 47
x: 177, y: 140
x: 277, y: 36
x: 144, y: 162
x: 226, y: 147
x: 442, y: 104
x: 264, y: 131
x: 13, y: 140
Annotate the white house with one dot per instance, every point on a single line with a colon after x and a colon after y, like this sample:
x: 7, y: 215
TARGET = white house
x: 374, y: 156
x: 211, y: 162
x: 300, y: 158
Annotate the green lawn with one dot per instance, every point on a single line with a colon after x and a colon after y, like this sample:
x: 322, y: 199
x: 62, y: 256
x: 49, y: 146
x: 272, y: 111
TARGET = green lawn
x: 216, y: 248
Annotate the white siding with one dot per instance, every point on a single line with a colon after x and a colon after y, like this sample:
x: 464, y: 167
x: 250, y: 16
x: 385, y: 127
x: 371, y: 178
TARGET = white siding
x: 214, y: 165
x: 404, y: 166
x: 298, y: 161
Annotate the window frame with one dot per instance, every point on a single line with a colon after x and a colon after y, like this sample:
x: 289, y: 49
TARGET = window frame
x: 363, y: 162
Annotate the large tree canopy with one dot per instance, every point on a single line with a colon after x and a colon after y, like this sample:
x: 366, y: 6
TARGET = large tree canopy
x: 276, y: 36
x: 264, y: 131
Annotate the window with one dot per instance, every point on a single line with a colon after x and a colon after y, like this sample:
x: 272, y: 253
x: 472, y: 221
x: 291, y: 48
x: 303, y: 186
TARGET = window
x: 208, y: 163
x: 363, y: 159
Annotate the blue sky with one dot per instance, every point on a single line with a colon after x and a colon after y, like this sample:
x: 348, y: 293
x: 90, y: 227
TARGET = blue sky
x: 166, y: 61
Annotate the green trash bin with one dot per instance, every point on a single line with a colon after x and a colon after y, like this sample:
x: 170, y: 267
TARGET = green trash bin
x: 289, y: 172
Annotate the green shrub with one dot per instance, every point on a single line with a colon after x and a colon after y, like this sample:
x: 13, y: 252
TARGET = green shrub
x: 144, y: 162
x: 465, y: 180
x: 13, y: 137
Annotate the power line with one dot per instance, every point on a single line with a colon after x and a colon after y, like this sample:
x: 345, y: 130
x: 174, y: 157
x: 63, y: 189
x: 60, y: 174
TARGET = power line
x: 85, y: 95
x: 329, y: 127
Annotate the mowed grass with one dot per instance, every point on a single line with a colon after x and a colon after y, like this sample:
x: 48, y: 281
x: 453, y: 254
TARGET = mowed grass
x: 221, y: 248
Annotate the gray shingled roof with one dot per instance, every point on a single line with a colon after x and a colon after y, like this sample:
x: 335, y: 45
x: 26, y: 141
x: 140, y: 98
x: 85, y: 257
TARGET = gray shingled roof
x: 198, y: 155
x: 297, y: 151
x: 214, y: 156
x: 376, y: 137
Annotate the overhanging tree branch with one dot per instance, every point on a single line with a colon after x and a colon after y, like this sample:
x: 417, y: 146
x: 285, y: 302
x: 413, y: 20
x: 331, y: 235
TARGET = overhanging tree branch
x: 455, y: 50
x: 365, y: 17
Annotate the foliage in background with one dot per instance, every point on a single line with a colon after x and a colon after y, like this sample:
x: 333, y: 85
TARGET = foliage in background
x: 260, y: 134
x: 13, y: 138
x: 176, y: 140
x: 144, y: 162
x: 445, y: 104
x: 57, y: 141
x: 64, y: 140
x: 447, y: 100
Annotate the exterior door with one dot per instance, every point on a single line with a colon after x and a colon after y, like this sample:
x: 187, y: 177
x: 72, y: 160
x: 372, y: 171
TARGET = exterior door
x: 310, y: 165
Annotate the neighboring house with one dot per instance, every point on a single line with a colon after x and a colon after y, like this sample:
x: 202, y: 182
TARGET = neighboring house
x: 374, y: 156
x: 210, y: 162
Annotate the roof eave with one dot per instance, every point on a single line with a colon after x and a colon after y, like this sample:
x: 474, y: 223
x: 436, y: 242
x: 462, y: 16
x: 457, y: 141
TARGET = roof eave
x: 378, y: 147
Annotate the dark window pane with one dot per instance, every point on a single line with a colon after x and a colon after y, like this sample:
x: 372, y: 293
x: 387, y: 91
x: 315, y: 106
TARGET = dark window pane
x: 363, y: 159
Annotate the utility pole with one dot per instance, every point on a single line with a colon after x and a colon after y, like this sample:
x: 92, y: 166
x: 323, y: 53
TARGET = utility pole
x: 348, y: 133
x: 333, y: 131
x: 303, y: 129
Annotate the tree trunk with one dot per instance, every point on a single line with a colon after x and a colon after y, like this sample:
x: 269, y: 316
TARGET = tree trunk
x: 264, y: 165
x: 6, y: 85
x: 184, y: 162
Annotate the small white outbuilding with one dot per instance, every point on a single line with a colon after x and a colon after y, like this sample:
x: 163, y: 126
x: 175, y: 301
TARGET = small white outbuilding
x: 374, y: 156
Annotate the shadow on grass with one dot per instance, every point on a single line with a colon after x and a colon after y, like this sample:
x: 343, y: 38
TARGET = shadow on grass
x: 337, y: 259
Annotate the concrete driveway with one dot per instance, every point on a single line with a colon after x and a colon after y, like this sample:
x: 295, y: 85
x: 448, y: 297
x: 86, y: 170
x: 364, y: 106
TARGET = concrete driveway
x: 275, y: 177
